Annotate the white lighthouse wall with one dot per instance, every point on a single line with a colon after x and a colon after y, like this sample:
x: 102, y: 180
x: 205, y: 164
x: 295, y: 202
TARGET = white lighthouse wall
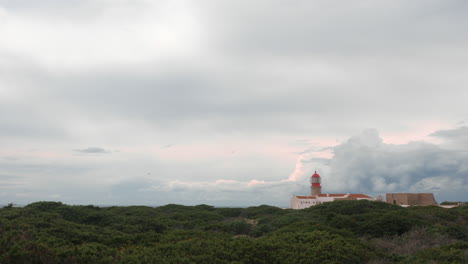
x: 301, y: 203
x: 297, y: 203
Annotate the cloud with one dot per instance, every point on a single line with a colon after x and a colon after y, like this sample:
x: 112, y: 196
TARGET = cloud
x: 93, y: 150
x: 219, y: 193
x: 233, y: 93
x: 10, y: 158
x: 456, y: 138
x: 7, y: 177
x: 457, y: 133
x: 321, y: 68
x: 362, y: 164
x: 365, y: 164
x: 109, y: 32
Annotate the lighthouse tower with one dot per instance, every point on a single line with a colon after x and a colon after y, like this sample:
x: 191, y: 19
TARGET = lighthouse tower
x: 315, y: 187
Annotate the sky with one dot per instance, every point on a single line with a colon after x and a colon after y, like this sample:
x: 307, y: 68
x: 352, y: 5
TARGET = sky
x: 231, y: 103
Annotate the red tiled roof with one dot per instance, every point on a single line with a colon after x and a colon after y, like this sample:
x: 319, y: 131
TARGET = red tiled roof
x: 305, y: 197
x: 331, y: 195
x: 358, y: 195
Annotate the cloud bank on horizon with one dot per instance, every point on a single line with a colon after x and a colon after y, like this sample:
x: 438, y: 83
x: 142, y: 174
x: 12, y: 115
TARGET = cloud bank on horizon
x: 230, y: 103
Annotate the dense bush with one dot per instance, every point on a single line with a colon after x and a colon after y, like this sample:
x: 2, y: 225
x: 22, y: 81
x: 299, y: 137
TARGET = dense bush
x: 336, y: 232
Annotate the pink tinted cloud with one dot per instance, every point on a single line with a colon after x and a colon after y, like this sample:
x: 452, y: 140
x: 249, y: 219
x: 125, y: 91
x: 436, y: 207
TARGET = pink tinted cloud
x: 416, y: 132
x: 255, y: 182
x: 222, y: 181
x: 298, y: 169
x: 323, y: 150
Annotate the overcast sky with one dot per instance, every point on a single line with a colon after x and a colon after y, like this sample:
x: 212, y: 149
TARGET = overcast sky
x: 231, y: 103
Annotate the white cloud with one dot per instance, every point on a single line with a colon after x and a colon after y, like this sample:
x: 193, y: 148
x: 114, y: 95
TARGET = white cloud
x: 120, y: 33
x: 219, y: 78
x: 365, y: 164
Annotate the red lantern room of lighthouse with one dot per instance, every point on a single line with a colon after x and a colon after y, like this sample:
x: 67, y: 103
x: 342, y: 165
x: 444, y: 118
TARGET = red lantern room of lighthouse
x: 315, y: 187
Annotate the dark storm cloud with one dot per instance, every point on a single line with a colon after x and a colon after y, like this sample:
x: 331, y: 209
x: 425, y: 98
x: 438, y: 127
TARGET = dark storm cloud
x: 457, y: 133
x: 458, y: 136
x: 93, y: 150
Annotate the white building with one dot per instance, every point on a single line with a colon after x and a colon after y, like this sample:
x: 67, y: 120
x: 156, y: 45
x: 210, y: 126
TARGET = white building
x: 316, y: 197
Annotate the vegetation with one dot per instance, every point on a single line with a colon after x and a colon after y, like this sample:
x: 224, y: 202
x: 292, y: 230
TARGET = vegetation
x: 336, y: 232
x: 452, y: 203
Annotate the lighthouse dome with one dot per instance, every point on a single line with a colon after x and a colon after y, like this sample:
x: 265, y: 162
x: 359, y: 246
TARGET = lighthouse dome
x: 315, y: 175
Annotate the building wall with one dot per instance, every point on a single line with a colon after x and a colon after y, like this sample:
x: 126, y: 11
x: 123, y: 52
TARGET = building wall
x: 315, y: 190
x: 354, y: 199
x: 411, y: 198
x: 326, y: 199
x: 297, y: 203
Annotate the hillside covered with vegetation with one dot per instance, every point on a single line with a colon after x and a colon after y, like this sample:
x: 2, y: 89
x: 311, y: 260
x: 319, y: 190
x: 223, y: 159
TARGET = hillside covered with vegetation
x: 336, y: 232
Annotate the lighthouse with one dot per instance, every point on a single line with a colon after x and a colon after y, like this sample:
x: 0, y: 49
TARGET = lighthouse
x: 316, y: 197
x: 315, y: 187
